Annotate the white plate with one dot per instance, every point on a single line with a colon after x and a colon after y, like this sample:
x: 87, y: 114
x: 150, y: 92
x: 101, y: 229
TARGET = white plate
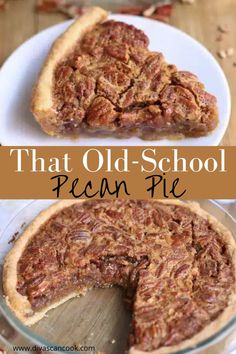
x: 18, y: 74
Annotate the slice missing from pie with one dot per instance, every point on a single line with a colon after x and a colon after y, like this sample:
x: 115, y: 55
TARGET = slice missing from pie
x: 100, y: 78
x: 175, y: 262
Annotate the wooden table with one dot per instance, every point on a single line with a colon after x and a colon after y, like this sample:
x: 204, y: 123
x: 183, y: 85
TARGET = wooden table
x: 200, y: 20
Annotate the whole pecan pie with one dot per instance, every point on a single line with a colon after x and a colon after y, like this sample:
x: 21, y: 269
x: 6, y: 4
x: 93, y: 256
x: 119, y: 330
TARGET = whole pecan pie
x: 100, y: 78
x: 175, y: 262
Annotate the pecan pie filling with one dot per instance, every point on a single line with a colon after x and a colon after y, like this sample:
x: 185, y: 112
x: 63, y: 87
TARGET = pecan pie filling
x: 174, y: 267
x: 113, y: 84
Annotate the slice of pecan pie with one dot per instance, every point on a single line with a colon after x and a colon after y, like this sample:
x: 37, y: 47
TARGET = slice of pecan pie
x: 175, y: 262
x: 101, y: 78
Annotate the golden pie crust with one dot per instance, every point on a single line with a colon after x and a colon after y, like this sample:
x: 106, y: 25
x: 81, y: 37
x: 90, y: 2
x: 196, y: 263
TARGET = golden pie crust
x: 101, y: 79
x: 22, y: 307
x: 42, y: 99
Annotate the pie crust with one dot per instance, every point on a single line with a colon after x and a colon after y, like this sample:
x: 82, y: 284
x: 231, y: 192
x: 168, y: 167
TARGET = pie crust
x: 101, y: 79
x: 22, y: 308
x: 42, y: 99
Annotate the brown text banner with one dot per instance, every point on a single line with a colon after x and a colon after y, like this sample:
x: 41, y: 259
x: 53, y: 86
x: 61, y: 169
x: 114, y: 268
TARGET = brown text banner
x: 117, y: 172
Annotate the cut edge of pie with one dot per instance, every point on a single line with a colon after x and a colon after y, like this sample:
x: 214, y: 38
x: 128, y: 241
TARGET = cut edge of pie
x: 18, y: 303
x: 142, y: 88
x: 42, y: 98
x: 22, y: 308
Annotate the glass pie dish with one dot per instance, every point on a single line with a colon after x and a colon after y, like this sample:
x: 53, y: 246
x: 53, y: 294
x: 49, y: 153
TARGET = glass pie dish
x: 98, y: 321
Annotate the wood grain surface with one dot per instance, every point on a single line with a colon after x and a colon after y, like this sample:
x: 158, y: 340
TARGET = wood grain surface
x: 200, y: 20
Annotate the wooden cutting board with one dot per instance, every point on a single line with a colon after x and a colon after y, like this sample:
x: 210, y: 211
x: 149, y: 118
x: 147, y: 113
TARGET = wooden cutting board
x: 98, y: 320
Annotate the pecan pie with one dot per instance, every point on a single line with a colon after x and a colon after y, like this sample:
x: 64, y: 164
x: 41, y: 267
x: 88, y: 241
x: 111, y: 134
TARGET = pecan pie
x: 175, y: 262
x: 100, y: 78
